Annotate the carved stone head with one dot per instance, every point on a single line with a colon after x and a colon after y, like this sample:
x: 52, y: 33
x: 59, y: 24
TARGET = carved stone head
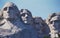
x: 55, y: 21
x: 26, y: 16
x: 10, y: 10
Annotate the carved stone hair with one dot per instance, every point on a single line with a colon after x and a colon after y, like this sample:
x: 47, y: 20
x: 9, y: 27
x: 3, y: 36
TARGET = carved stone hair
x: 21, y: 11
x: 11, y: 6
x: 52, y: 15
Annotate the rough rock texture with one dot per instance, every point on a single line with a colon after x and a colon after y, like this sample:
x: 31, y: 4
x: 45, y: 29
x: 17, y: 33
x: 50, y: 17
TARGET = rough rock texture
x: 15, y: 23
x: 26, y: 16
x: 36, y: 22
x: 12, y: 26
x: 54, y: 24
x: 41, y: 27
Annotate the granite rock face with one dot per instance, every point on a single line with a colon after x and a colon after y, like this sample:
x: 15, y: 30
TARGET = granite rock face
x: 15, y: 23
x: 37, y: 23
x: 41, y: 27
x: 11, y: 25
x: 54, y: 24
x: 26, y: 16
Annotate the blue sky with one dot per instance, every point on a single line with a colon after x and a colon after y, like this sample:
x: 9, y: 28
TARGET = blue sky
x: 40, y: 8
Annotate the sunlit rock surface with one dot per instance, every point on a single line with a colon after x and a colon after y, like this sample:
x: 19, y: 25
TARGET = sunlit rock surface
x: 15, y: 23
x: 54, y: 24
x: 11, y: 25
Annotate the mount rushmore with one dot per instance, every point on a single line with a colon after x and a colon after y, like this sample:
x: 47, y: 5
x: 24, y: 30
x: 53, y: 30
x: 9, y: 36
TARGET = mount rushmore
x: 15, y: 23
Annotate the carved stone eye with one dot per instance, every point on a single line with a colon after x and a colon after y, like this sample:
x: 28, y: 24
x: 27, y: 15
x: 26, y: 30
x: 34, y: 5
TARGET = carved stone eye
x: 56, y: 21
x: 23, y: 15
x: 51, y: 22
x: 5, y: 8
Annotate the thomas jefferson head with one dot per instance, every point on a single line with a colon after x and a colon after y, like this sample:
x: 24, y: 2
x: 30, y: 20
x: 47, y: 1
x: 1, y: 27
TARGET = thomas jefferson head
x: 26, y: 16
